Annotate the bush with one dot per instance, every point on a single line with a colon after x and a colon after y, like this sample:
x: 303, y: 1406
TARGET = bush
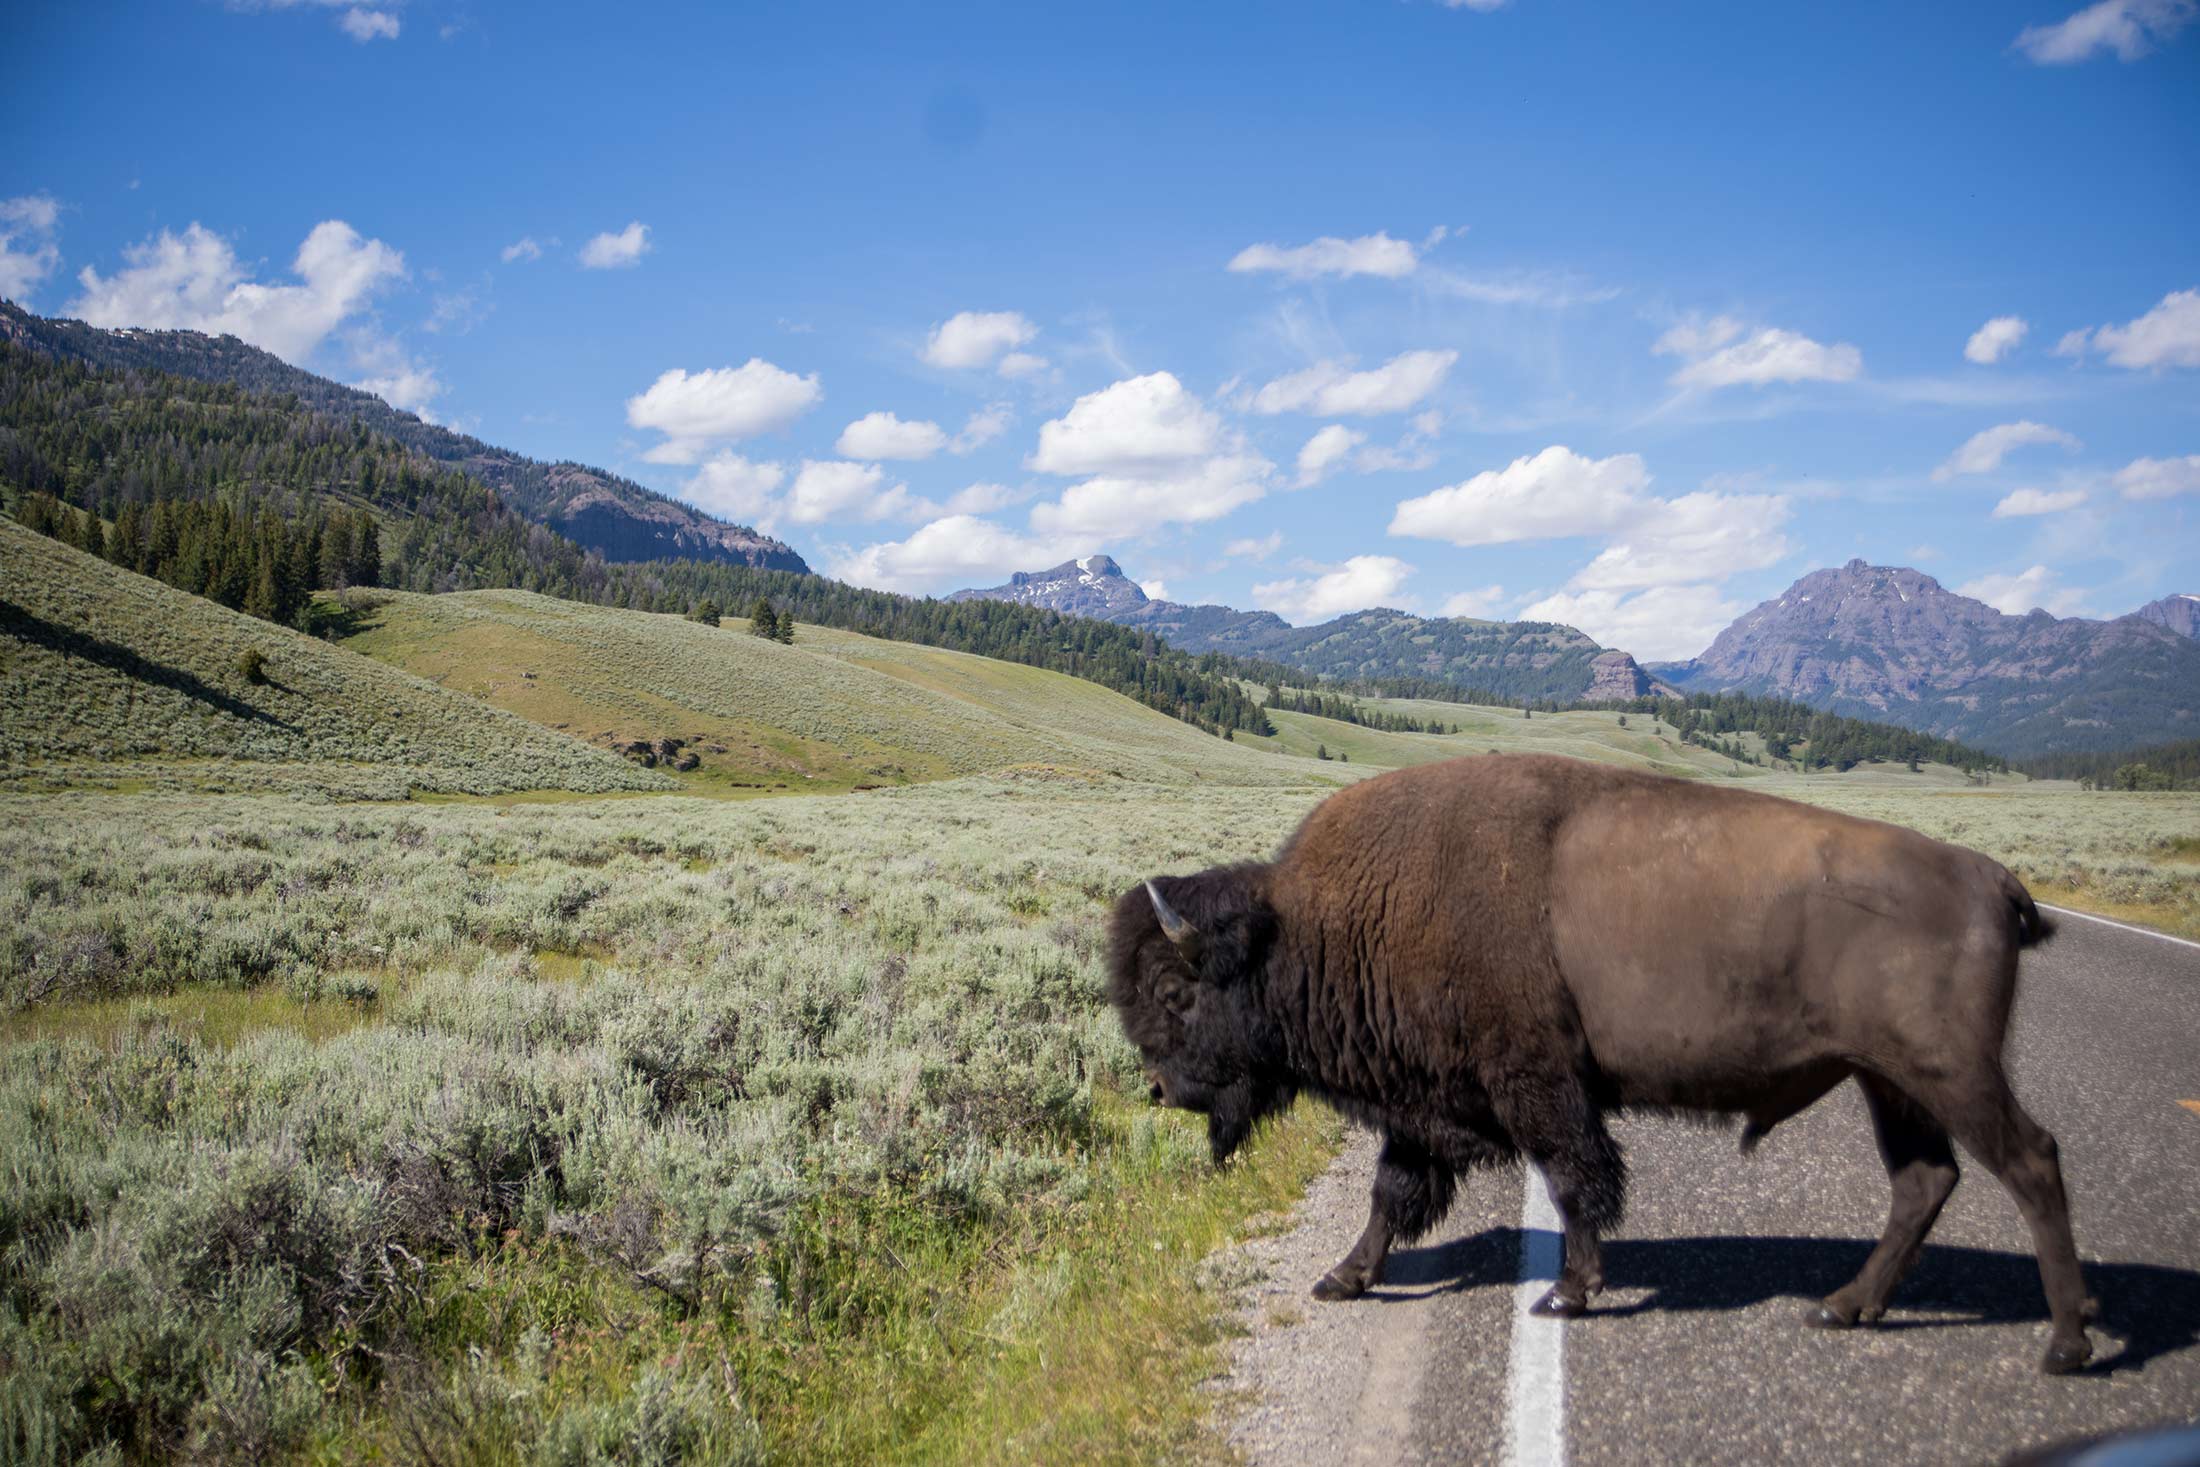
x: 252, y: 666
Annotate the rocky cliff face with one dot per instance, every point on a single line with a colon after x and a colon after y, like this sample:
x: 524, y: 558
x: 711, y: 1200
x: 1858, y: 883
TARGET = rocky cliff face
x: 1511, y: 659
x: 1892, y: 643
x: 2181, y: 614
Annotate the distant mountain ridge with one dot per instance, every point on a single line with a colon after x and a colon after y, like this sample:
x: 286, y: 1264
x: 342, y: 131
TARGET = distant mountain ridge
x: 618, y: 518
x: 1892, y: 643
x: 2180, y: 613
x: 1532, y: 660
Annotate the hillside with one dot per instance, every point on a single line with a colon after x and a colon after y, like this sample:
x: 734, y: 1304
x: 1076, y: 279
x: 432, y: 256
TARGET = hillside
x: 1521, y: 660
x: 1890, y: 643
x: 619, y: 519
x: 110, y: 677
x: 833, y: 711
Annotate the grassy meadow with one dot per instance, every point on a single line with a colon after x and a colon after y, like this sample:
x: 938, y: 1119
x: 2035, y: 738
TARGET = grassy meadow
x: 544, y: 1108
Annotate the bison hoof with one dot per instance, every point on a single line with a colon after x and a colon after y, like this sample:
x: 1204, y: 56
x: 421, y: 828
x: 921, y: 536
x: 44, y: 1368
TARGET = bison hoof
x: 1555, y: 1305
x: 2063, y: 1359
x: 1826, y: 1316
x: 1333, y: 1287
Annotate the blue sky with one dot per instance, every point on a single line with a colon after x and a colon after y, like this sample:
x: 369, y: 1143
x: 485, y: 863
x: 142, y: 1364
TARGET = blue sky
x: 1619, y: 315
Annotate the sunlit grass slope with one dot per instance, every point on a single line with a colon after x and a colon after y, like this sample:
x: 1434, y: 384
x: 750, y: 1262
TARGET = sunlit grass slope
x: 832, y: 711
x: 111, y: 678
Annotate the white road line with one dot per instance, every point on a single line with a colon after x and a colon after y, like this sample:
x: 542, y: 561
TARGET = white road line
x: 2110, y: 922
x: 1535, y: 1416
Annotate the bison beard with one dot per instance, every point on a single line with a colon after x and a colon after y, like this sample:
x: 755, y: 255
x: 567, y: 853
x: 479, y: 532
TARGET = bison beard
x: 1482, y: 959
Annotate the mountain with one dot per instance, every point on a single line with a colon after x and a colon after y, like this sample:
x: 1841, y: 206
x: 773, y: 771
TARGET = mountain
x: 1526, y: 659
x: 616, y: 517
x: 2180, y: 613
x: 1891, y: 643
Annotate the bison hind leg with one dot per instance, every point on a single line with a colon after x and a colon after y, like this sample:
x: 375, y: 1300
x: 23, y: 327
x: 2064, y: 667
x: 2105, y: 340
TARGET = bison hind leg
x: 1412, y: 1193
x: 1563, y: 1133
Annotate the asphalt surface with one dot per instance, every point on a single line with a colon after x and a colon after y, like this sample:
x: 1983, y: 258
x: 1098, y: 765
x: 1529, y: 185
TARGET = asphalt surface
x: 1696, y: 1353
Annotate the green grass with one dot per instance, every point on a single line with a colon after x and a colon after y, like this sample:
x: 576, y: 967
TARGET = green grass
x: 110, y: 678
x: 834, y: 711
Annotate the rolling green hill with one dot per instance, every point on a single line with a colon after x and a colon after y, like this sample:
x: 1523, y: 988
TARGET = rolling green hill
x: 833, y: 711
x: 109, y: 677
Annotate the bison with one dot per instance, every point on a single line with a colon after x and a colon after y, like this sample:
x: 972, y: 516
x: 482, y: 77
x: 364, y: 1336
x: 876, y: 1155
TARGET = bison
x: 1482, y: 959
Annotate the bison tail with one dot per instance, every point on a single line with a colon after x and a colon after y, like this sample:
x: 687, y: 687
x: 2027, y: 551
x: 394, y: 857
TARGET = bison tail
x: 2033, y: 926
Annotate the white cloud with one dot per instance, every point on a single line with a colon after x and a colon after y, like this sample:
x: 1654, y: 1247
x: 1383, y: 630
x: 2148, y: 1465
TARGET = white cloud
x: 1362, y: 581
x: 617, y: 251
x: 28, y: 251
x: 392, y: 374
x: 1983, y: 452
x: 1660, y: 624
x: 1697, y: 537
x: 830, y: 489
x: 193, y: 281
x: 1370, y: 254
x: 522, y: 249
x: 1412, y: 451
x: 1137, y: 425
x: 2130, y: 28
x: 979, y: 338
x: 1995, y: 340
x: 735, y: 488
x: 1480, y: 7
x: 2038, y: 501
x: 983, y: 426
x: 1021, y: 364
x: 2159, y: 478
x: 1325, y: 450
x: 1254, y: 549
x: 958, y: 550
x: 1771, y: 355
x: 1553, y: 495
x: 882, y: 435
x: 1156, y: 455
x: 367, y: 25
x: 982, y: 498
x: 2167, y: 336
x: 1697, y: 336
x: 722, y: 403
x: 2015, y: 595
x: 1326, y: 387
x: 1155, y: 590
x: 1482, y: 603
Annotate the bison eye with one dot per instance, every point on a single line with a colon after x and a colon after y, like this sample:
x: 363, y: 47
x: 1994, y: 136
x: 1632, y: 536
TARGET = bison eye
x: 1175, y: 997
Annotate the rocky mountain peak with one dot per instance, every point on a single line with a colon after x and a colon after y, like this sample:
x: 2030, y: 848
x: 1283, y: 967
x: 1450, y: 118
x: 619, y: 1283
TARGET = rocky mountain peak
x: 2180, y: 613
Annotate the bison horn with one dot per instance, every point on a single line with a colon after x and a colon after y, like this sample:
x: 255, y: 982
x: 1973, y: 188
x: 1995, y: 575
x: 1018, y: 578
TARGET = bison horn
x: 1175, y: 928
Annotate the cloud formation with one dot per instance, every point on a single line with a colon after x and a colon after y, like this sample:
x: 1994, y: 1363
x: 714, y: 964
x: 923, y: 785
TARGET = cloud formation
x: 2167, y: 336
x: 2159, y: 478
x: 1554, y: 494
x: 959, y: 549
x: 735, y: 488
x: 723, y: 404
x: 1983, y: 452
x: 29, y: 243
x: 2025, y: 591
x: 1155, y: 455
x: 1482, y: 603
x: 1995, y: 340
x: 1328, y: 388
x: 521, y: 249
x: 970, y: 339
x: 2027, y: 502
x: 1772, y: 355
x: 620, y: 251
x: 1328, y: 447
x: 2130, y: 28
x: 831, y: 489
x: 1360, y: 582
x: 194, y: 282
x: 1371, y: 254
x: 882, y: 435
x: 1664, y: 623
x: 368, y: 25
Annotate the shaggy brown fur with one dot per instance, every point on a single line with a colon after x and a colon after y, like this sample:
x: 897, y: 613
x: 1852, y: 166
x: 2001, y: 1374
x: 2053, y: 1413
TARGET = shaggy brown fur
x: 1481, y: 959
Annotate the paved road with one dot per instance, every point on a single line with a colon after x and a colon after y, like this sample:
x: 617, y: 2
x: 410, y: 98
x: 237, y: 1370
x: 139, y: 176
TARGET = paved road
x: 1696, y: 1353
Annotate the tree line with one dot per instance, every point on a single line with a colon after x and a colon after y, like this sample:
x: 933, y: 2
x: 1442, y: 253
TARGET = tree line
x: 79, y: 447
x: 2174, y: 766
x: 1797, y: 733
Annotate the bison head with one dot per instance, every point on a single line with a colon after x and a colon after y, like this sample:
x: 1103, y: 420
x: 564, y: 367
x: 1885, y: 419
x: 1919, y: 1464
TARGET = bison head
x: 1185, y: 964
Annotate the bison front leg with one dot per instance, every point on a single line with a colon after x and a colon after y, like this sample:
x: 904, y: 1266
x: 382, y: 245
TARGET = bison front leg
x: 1563, y: 1133
x: 1412, y: 1193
